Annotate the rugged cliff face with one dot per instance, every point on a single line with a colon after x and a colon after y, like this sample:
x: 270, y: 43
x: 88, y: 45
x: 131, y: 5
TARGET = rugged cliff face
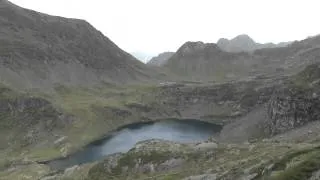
x: 289, y: 104
x: 288, y: 110
x: 296, y: 104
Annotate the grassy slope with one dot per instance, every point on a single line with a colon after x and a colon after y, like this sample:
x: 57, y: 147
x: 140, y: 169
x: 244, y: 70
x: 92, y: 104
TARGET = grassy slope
x: 90, y: 109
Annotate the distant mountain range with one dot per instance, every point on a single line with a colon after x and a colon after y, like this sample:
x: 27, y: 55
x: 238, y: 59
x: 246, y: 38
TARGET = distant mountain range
x: 246, y: 44
x: 198, y: 60
x: 161, y: 59
x: 207, y: 61
x: 241, y: 43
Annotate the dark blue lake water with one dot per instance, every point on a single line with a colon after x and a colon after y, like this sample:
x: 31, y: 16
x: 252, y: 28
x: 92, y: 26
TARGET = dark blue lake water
x: 185, y: 131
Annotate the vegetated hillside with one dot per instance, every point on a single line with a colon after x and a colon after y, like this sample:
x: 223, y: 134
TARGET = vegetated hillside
x: 200, y: 61
x: 38, y: 50
x: 161, y: 59
x: 245, y: 43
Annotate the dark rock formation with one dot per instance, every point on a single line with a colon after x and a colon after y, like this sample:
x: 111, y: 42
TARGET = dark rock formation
x: 288, y: 110
x: 288, y: 104
x: 296, y: 104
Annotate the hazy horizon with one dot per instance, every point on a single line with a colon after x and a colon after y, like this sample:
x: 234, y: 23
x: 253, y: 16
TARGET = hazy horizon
x: 158, y: 26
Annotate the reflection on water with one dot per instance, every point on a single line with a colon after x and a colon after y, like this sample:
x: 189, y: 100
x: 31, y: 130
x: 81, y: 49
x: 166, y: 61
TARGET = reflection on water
x: 123, y: 140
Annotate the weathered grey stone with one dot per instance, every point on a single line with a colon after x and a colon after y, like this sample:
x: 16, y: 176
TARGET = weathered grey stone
x: 60, y: 140
x: 206, y: 146
x: 289, y: 109
x: 70, y: 170
x: 49, y: 178
x: 202, y: 177
x: 315, y: 175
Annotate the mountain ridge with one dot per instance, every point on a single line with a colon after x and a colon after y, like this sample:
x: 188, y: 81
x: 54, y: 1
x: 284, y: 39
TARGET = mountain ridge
x: 60, y: 50
x: 208, y: 61
x: 245, y: 43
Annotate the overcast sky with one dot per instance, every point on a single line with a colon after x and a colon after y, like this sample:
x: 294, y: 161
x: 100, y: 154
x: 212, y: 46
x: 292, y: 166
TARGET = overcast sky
x: 154, y: 26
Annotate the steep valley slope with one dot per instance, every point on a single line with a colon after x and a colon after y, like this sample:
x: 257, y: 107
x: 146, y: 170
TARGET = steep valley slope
x: 40, y: 51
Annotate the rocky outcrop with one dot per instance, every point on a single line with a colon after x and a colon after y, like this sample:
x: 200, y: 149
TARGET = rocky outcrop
x: 296, y: 103
x: 289, y: 109
x: 214, y: 102
x: 152, y: 156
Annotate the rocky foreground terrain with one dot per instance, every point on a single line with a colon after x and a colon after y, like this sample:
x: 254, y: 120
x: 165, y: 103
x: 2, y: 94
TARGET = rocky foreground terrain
x: 267, y: 102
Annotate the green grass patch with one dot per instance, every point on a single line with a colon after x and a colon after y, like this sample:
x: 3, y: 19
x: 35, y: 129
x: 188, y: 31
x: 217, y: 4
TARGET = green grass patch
x: 307, y: 162
x: 281, y: 165
x: 39, y: 154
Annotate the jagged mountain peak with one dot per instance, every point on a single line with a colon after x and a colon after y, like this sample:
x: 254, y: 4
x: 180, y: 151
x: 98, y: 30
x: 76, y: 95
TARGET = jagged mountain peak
x: 243, y: 37
x: 198, y: 46
x: 244, y: 43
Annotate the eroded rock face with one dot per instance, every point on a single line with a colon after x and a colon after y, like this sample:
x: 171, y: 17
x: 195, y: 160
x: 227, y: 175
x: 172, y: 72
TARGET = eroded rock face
x: 290, y: 108
x: 214, y: 101
x: 288, y: 104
